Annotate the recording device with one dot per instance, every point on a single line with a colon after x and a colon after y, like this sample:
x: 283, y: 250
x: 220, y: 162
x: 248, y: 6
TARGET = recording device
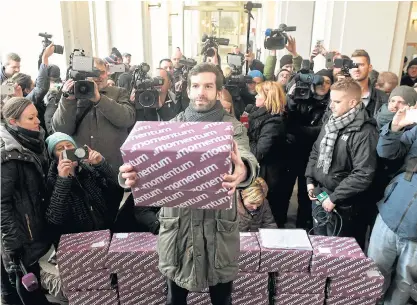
x: 303, y: 80
x: 120, y: 68
x: 244, y: 118
x: 187, y: 65
x: 277, y: 39
x: 80, y: 68
x: 76, y: 154
x: 345, y: 65
x: 249, y: 6
x: 7, y: 89
x: 147, y: 93
x: 211, y: 42
x: 329, y: 60
x: 46, y: 42
x: 234, y: 60
x: 411, y: 115
x: 29, y: 280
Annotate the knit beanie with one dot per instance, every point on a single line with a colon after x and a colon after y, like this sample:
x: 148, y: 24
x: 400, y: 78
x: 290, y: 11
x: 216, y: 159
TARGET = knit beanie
x: 55, y: 138
x: 412, y: 63
x: 285, y: 60
x: 326, y: 72
x: 256, y: 73
x: 407, y: 93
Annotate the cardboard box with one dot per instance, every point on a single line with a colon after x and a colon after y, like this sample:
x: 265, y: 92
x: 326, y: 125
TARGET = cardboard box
x: 83, y: 251
x: 250, y: 252
x: 304, y: 283
x: 198, y: 298
x: 368, y: 286
x: 299, y: 299
x: 133, y: 252
x: 154, y: 283
x: 138, y: 298
x: 251, y: 283
x: 349, y: 301
x: 87, y: 280
x: 103, y: 297
x: 180, y: 164
x: 338, y: 256
x: 283, y: 260
x: 250, y: 299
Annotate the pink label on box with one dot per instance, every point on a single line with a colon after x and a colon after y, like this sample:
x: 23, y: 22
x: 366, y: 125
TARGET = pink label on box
x: 249, y: 253
x: 338, y: 256
x: 180, y: 164
x: 349, y: 301
x: 133, y: 252
x: 87, y: 280
x: 250, y: 299
x: 303, y: 283
x: 299, y: 299
x: 86, y: 251
x: 143, y: 282
x: 197, y: 298
x: 368, y: 286
x: 103, y: 297
x: 251, y: 283
x: 138, y: 298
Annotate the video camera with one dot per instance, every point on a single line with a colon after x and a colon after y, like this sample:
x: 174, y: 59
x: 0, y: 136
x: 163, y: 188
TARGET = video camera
x: 80, y: 68
x: 46, y: 42
x: 187, y: 65
x: 345, y: 65
x: 303, y: 81
x: 147, y: 95
x: 211, y: 42
x: 235, y: 62
x: 277, y: 39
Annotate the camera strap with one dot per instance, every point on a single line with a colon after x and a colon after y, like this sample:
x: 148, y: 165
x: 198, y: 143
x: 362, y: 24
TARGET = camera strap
x: 80, y: 118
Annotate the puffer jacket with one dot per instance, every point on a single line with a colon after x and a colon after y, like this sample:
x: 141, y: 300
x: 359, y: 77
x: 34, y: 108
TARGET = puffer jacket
x: 200, y: 248
x: 263, y: 219
x: 23, y: 202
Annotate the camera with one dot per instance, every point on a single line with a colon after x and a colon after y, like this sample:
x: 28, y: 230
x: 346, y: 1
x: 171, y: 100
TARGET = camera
x: 80, y: 68
x: 277, y: 39
x: 147, y: 95
x: 345, y: 65
x: 187, y: 65
x: 76, y: 154
x: 211, y: 42
x: 46, y: 42
x: 303, y: 81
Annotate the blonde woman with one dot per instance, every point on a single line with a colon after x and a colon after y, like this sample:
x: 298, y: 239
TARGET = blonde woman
x: 267, y: 138
x: 253, y: 207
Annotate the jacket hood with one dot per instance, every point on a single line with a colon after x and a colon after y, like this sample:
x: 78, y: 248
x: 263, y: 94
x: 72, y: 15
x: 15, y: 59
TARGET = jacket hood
x: 8, y: 142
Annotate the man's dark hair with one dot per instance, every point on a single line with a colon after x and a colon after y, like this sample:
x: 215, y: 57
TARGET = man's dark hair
x: 203, y: 68
x: 362, y: 53
x: 345, y: 57
x: 23, y: 80
x: 165, y: 59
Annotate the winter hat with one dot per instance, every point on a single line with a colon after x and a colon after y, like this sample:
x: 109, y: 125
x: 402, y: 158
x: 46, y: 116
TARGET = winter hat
x: 412, y: 63
x: 54, y: 72
x: 326, y: 72
x: 407, y: 93
x: 256, y: 73
x: 55, y: 138
x: 285, y: 60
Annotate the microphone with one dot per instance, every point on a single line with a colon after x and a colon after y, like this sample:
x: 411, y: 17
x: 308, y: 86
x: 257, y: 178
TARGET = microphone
x: 249, y: 108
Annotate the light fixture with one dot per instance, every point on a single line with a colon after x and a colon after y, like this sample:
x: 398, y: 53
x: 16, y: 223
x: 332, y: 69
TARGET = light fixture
x: 413, y: 17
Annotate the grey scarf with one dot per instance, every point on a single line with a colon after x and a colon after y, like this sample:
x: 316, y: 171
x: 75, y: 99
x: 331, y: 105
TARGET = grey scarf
x: 332, y: 131
x: 215, y: 114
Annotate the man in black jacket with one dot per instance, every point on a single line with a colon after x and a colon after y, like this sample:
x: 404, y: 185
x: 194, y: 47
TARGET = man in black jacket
x: 342, y: 164
x: 372, y: 98
x: 410, y: 78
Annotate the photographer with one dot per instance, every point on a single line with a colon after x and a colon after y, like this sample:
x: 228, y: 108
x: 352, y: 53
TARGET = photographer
x: 53, y: 96
x: 248, y: 93
x: 176, y: 57
x: 167, y: 65
x: 410, y: 78
x: 304, y: 123
x: 169, y: 106
x: 11, y: 66
x: 101, y: 122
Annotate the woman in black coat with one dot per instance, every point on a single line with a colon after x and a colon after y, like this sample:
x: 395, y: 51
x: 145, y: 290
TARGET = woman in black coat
x: 24, y: 163
x: 267, y: 139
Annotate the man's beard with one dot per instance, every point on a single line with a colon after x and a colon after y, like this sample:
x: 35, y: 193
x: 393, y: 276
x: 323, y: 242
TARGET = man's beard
x: 202, y: 108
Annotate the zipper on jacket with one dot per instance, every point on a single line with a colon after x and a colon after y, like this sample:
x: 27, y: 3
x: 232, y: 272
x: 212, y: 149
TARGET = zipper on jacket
x: 28, y: 224
x: 405, y: 212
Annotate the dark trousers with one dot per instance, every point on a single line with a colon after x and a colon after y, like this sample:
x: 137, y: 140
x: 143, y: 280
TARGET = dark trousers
x: 13, y: 291
x: 221, y: 294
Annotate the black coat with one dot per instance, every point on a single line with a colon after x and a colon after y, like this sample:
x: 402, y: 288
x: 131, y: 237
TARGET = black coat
x: 51, y: 101
x: 267, y: 140
x: 378, y: 98
x: 354, y: 162
x: 407, y: 81
x: 23, y: 202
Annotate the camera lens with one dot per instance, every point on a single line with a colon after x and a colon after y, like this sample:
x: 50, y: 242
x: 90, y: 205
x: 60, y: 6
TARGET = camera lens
x: 83, y: 89
x: 80, y: 153
x: 210, y: 53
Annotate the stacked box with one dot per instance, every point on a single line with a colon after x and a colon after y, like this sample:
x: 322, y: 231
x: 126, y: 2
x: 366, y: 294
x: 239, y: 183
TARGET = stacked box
x: 104, y: 297
x: 180, y: 164
x: 350, y: 301
x: 299, y: 299
x: 81, y: 262
x: 250, y: 253
x: 299, y: 283
x: 133, y: 257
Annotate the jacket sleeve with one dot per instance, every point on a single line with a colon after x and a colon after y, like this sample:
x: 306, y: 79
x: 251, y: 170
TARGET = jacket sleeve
x: 271, y: 133
x: 364, y: 163
x: 252, y: 165
x: 395, y: 145
x: 120, y: 113
x: 51, y: 107
x: 41, y: 86
x: 268, y: 220
x: 9, y: 231
x: 64, y: 117
x: 106, y: 171
x: 58, y: 208
x: 296, y: 62
x: 269, y: 69
x: 312, y: 161
x: 147, y: 217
